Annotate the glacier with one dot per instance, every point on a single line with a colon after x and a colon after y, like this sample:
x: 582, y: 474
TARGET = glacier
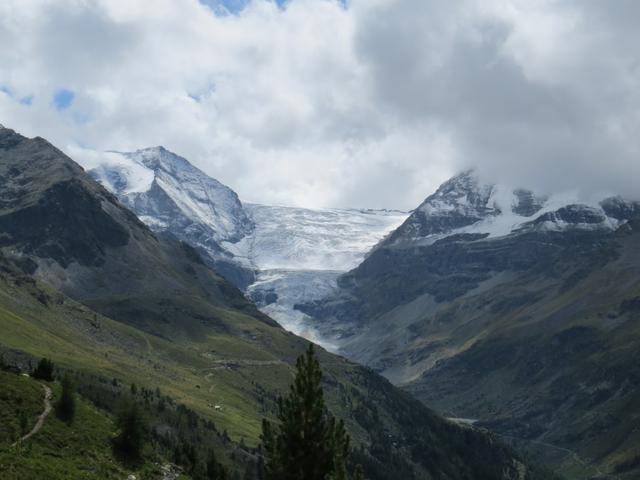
x: 299, y: 254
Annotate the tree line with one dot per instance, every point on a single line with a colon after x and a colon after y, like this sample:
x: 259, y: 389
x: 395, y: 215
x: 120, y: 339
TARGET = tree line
x: 306, y: 442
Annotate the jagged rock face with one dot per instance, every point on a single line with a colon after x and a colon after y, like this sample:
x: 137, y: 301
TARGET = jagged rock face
x: 620, y: 209
x: 575, y: 215
x: 171, y: 195
x: 527, y: 202
x: 465, y: 234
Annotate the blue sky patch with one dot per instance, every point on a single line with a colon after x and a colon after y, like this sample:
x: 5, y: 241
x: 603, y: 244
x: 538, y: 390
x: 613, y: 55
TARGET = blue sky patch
x: 63, y: 99
x: 27, y: 100
x: 200, y: 95
x: 222, y: 7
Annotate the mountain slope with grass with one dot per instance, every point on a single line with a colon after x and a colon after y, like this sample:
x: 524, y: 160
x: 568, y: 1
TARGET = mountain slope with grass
x: 389, y: 429
x: 86, y: 283
x: 58, y: 450
x: 513, y: 309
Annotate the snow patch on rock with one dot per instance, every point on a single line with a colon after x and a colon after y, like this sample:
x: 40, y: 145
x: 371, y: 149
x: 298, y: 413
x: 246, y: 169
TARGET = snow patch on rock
x: 463, y: 205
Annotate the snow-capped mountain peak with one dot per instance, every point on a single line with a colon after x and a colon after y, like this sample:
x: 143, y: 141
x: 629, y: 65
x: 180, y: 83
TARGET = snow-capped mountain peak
x: 462, y: 195
x: 166, y: 190
x: 464, y: 205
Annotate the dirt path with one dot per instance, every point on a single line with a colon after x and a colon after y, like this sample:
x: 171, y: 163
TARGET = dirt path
x: 42, y: 417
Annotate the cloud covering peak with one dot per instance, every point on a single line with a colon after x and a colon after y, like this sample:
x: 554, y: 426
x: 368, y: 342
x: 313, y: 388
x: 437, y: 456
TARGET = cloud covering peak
x: 320, y: 103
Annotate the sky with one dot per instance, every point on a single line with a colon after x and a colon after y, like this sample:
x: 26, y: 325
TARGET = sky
x: 333, y: 103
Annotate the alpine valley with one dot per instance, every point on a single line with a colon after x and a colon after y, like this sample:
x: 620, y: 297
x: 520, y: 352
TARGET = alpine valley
x: 502, y: 308
x: 128, y: 309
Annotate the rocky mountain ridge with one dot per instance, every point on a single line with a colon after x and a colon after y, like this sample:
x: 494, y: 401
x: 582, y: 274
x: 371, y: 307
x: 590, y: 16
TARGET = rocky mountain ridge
x: 464, y: 205
x: 510, y: 308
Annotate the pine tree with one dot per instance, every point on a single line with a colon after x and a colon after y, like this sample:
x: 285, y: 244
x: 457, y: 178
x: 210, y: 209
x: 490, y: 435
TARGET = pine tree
x: 134, y: 430
x: 260, y: 466
x: 308, y: 443
x: 44, y: 370
x: 250, y: 471
x: 358, y: 473
x: 24, y: 422
x: 215, y: 471
x: 66, y: 406
x: 339, y: 443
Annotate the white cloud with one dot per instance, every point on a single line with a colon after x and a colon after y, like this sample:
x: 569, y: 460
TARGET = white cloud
x: 315, y: 104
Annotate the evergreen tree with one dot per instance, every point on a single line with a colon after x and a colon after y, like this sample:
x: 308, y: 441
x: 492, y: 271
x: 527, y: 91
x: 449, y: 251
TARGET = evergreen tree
x: 358, y: 473
x: 24, y: 422
x: 250, y: 471
x: 260, y: 467
x: 66, y: 406
x: 308, y: 443
x: 44, y: 370
x: 215, y: 471
x: 134, y: 430
x: 339, y: 441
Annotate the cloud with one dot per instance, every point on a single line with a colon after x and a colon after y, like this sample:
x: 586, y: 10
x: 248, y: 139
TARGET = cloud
x: 538, y: 94
x: 314, y: 103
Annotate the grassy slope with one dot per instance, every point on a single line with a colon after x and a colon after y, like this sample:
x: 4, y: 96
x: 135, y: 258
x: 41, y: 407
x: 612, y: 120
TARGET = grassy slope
x: 58, y: 450
x: 18, y: 395
x: 75, y: 337
x: 245, y: 380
